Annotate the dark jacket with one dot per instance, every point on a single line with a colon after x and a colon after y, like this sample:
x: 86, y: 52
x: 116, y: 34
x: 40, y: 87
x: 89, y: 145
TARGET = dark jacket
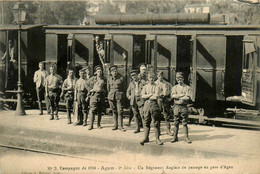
x: 115, y: 87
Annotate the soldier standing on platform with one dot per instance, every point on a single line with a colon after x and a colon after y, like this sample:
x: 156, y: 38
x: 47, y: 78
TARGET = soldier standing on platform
x: 115, y: 87
x: 53, y: 90
x: 142, y: 76
x: 39, y: 79
x: 87, y: 76
x: 181, y: 94
x: 164, y: 99
x: 80, y: 95
x: 134, y: 94
x: 150, y: 94
x: 96, y: 94
x: 68, y: 91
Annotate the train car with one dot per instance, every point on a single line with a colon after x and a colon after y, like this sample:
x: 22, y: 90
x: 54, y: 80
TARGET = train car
x: 32, y: 52
x: 221, y: 62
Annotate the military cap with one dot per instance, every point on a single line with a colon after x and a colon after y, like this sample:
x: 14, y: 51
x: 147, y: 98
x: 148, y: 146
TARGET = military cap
x: 82, y: 70
x: 179, y: 74
x: 113, y: 67
x: 134, y: 71
x: 98, y: 67
x: 42, y: 62
x: 142, y: 65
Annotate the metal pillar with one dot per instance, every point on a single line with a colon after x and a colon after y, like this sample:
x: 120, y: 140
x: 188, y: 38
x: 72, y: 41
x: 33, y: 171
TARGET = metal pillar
x: 19, y: 108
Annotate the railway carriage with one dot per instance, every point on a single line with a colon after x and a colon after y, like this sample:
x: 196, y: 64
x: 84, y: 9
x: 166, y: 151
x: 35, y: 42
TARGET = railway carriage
x: 221, y: 62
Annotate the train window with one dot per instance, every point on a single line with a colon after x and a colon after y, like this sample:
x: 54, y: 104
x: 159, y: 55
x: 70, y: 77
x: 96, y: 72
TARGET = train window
x: 249, y: 50
x: 148, y: 48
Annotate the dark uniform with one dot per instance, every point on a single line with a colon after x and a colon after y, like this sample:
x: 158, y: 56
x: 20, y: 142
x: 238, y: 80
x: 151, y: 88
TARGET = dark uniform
x: 97, y: 97
x: 133, y: 93
x: 115, y: 87
x: 68, y: 92
x: 143, y: 81
x: 181, y: 94
x: 151, y: 110
x: 81, y: 90
x: 39, y: 79
x: 164, y: 101
x: 53, y: 90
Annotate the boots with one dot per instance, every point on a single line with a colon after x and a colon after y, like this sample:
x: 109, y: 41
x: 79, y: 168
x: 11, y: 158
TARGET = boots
x: 69, y: 116
x: 91, y: 116
x: 51, y: 117
x: 168, y: 127
x: 146, y: 136
x: 115, y: 116
x: 157, y: 135
x: 185, y: 131
x: 80, y: 119
x: 56, y: 117
x: 121, y: 122
x: 175, y: 133
x: 137, y: 125
x: 99, y: 121
x: 40, y: 108
x: 85, y: 117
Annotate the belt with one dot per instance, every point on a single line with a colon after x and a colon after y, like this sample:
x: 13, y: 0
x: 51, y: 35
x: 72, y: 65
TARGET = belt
x: 50, y: 89
x: 181, y: 104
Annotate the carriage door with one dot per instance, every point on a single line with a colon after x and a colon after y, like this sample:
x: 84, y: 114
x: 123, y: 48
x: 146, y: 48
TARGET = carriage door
x: 210, y: 64
x: 193, y: 69
x: 166, y: 56
x: 83, y: 51
x: 122, y: 53
x: 3, y: 67
x: 248, y: 81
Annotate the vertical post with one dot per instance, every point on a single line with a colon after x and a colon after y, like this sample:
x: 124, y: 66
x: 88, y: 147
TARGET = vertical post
x: 19, y: 108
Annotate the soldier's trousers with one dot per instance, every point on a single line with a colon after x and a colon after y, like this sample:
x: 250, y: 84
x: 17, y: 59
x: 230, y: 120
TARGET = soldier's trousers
x: 54, y: 98
x: 180, y: 115
x: 136, y: 116
x: 152, y: 114
x: 95, y: 108
x: 82, y: 107
x: 165, y: 109
x: 69, y: 98
x: 40, y: 96
x: 117, y: 109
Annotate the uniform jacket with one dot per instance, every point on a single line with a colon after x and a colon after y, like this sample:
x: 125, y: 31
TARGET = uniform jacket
x: 132, y: 94
x: 53, y: 81
x: 40, y: 77
x: 115, y: 87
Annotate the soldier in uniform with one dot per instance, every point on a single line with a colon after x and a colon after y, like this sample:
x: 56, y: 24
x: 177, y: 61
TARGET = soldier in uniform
x: 181, y: 94
x: 39, y: 79
x: 150, y: 93
x: 142, y: 76
x: 53, y: 90
x: 134, y: 94
x: 164, y: 99
x: 68, y: 91
x: 87, y: 76
x: 115, y: 87
x: 81, y: 90
x: 96, y: 94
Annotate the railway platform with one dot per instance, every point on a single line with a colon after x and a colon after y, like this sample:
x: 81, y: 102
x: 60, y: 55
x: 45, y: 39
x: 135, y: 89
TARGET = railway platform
x: 56, y: 136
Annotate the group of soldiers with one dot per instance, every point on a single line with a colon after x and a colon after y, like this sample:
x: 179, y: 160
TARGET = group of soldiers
x: 149, y: 99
